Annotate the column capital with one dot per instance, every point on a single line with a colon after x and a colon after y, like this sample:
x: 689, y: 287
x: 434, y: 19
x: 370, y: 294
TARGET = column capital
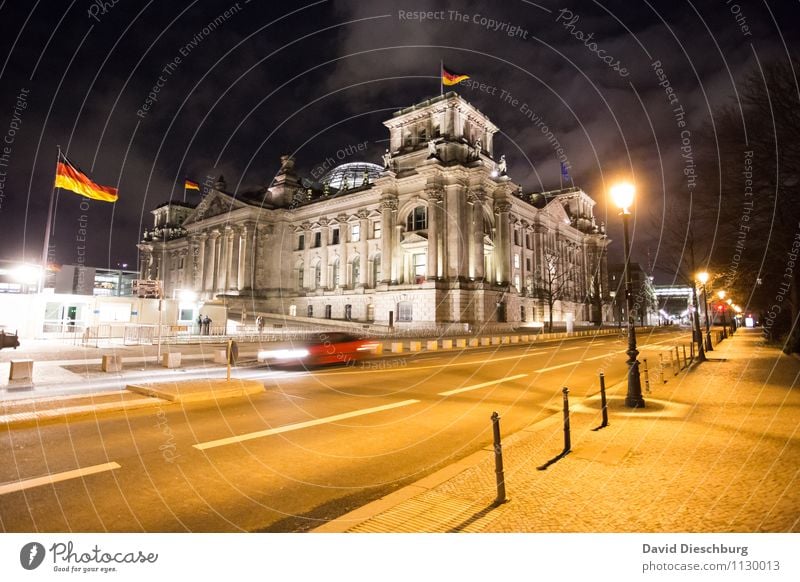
x: 390, y: 203
x: 435, y: 194
x: 363, y: 214
x: 501, y: 206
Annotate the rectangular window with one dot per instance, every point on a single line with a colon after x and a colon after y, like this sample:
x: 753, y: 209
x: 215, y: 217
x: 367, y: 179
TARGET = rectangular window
x: 527, y: 264
x: 528, y: 241
x: 317, y: 239
x: 516, y: 236
x: 404, y: 311
x: 355, y: 233
x: 301, y: 242
x: 186, y: 315
x: 516, y: 260
x: 335, y: 235
x: 516, y: 283
x: 420, y: 266
x: 376, y: 229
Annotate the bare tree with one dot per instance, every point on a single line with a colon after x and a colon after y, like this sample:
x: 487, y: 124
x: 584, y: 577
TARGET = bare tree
x: 552, y: 284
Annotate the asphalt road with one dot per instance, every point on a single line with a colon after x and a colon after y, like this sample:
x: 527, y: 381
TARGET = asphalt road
x: 313, y: 446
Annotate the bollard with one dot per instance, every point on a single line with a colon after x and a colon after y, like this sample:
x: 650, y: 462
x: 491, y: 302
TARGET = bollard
x: 661, y: 367
x: 646, y: 377
x: 498, y: 460
x: 691, y: 351
x: 603, y: 402
x: 567, y: 440
x: 685, y: 361
x: 672, y: 364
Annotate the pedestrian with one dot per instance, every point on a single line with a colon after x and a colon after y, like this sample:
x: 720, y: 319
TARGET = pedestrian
x: 207, y: 325
x: 260, y: 324
x: 200, y: 324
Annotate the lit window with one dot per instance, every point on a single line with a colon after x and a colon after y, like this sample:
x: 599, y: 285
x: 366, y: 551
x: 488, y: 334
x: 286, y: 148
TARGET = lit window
x: 516, y: 261
x: 355, y: 233
x: 419, y: 265
x: 417, y: 219
x: 516, y: 283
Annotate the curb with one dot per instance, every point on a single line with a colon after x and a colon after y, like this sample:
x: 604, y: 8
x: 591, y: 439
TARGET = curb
x: 36, y: 418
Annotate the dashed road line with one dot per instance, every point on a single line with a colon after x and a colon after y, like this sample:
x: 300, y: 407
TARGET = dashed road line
x: 482, y: 385
x: 56, y: 478
x: 300, y: 425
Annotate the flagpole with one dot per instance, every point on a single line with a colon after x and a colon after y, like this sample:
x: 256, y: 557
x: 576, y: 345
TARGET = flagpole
x: 441, y: 77
x: 49, y: 222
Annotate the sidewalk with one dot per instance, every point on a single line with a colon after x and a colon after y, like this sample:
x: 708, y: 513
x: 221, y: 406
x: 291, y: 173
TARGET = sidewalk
x: 716, y: 450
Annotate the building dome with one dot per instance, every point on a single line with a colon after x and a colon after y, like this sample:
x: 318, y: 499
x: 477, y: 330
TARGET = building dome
x: 352, y: 175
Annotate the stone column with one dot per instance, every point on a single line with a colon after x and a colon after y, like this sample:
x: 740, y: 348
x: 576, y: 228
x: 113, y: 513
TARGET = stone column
x: 344, y: 267
x: 398, y: 271
x: 248, y: 255
x: 476, y: 242
x: 228, y: 271
x: 503, y: 253
x: 233, y: 276
x: 199, y: 255
x: 308, y: 273
x: 241, y: 245
x: 388, y: 215
x: 435, y: 197
x: 363, y: 249
x: 325, y: 268
x: 211, y: 262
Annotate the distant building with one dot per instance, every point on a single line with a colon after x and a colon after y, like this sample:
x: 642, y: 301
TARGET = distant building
x: 643, y: 297
x: 437, y: 234
x: 674, y: 301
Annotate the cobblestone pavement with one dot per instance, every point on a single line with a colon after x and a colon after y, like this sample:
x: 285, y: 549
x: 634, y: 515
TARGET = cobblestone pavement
x: 716, y: 450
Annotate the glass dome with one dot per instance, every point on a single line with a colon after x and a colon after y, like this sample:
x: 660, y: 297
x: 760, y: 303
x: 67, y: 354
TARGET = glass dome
x: 352, y: 175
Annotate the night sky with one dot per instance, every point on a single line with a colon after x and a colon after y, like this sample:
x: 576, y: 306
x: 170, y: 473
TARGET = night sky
x: 240, y: 83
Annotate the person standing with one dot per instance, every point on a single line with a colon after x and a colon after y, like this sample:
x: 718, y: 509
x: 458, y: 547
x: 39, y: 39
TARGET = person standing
x: 206, y: 325
x: 260, y: 324
x: 200, y: 324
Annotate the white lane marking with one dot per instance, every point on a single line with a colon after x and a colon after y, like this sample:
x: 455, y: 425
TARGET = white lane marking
x: 575, y: 363
x: 484, y: 384
x: 412, y: 367
x: 299, y: 425
x: 603, y: 356
x: 56, y: 477
x: 568, y: 349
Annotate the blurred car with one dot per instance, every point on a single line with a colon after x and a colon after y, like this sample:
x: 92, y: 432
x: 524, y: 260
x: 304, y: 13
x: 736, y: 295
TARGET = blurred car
x: 322, y: 349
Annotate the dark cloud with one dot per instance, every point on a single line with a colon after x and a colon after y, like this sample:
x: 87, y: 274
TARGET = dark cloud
x: 311, y: 78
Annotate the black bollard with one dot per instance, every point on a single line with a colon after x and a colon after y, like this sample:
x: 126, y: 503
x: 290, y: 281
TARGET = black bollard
x: 685, y: 361
x: 567, y: 440
x: 603, y: 402
x: 498, y: 460
x: 646, y: 377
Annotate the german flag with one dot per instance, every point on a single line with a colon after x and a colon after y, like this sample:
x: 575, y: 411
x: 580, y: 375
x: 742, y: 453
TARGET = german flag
x: 71, y: 178
x: 191, y: 185
x: 451, y: 78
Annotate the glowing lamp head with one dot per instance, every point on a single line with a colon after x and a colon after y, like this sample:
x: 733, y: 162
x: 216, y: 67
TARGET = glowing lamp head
x: 702, y: 277
x: 187, y: 296
x: 622, y: 194
x: 721, y: 294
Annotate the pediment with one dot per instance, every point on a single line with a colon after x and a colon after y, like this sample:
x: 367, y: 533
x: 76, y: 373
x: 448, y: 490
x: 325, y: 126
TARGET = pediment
x: 556, y: 209
x: 215, y: 203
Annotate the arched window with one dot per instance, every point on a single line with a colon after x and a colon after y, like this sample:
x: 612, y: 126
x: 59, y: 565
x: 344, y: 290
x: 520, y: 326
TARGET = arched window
x: 300, y: 274
x: 317, y: 274
x: 417, y: 219
x: 356, y: 269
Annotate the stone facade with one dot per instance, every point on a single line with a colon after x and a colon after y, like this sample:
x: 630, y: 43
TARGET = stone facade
x: 438, y: 235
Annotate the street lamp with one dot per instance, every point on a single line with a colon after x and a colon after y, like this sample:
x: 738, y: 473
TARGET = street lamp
x: 622, y: 194
x: 703, y: 278
x: 721, y: 294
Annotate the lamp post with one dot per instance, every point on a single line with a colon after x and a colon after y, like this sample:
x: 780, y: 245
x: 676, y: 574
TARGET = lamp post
x: 721, y: 295
x: 622, y: 194
x: 703, y: 278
